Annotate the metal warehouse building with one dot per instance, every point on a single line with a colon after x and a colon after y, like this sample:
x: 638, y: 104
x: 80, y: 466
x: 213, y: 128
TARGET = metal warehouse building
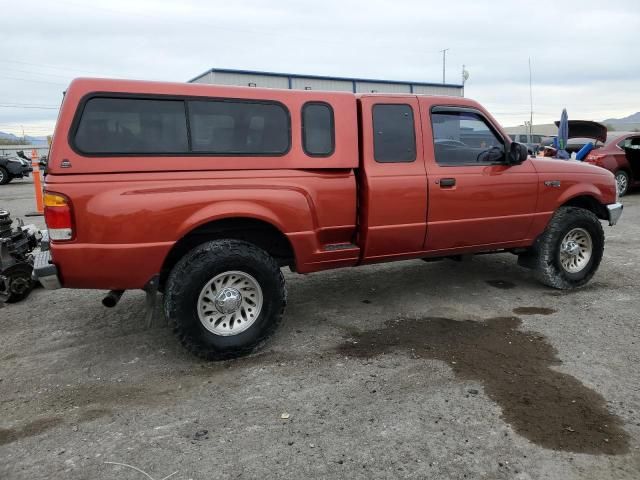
x: 248, y: 78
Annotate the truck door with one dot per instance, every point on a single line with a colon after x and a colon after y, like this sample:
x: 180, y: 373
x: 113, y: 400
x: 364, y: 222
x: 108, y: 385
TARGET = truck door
x: 475, y: 197
x: 631, y: 148
x: 393, y: 188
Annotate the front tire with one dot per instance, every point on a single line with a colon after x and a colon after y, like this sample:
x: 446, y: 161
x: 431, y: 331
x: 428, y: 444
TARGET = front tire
x: 224, y: 298
x: 622, y: 182
x: 568, y: 253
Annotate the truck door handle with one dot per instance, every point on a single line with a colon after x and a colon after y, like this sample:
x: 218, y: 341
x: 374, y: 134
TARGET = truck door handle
x: 447, y: 182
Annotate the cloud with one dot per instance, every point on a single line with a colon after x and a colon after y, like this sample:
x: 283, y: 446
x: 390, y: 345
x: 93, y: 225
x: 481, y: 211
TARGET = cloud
x: 580, y: 50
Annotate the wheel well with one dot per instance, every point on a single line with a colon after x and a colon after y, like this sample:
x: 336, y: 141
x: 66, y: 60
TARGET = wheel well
x: 588, y: 203
x: 258, y: 232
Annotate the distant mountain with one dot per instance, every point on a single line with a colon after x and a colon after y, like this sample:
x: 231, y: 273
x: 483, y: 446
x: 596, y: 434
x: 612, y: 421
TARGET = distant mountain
x: 631, y: 122
x: 10, y: 137
x: 36, y: 140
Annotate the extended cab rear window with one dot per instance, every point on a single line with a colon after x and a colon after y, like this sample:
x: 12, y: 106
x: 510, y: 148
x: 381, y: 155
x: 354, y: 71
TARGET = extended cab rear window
x: 130, y: 126
x: 142, y: 126
x: 394, y: 138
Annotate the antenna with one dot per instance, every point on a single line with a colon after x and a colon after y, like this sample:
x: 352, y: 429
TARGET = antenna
x: 530, y: 103
x: 444, y: 62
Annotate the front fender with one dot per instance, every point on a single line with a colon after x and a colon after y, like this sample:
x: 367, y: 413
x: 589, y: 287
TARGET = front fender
x: 580, y: 190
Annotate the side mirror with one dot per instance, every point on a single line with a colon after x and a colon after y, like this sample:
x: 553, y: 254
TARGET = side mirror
x: 518, y: 153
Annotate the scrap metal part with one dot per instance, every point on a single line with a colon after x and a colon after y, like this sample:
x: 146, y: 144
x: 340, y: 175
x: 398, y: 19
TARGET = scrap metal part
x: 16, y: 261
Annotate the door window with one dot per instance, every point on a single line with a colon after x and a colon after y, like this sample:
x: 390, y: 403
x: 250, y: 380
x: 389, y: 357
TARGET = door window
x: 464, y: 138
x: 631, y: 142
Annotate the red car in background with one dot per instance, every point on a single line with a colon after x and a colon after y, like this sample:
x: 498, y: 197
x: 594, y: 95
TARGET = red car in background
x: 621, y: 156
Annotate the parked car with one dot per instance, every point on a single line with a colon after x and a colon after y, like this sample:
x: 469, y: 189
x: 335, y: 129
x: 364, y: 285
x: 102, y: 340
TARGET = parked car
x: 204, y: 192
x: 620, y: 154
x: 13, y: 167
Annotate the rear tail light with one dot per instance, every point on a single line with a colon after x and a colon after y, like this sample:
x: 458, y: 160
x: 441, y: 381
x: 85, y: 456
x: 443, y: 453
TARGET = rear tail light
x: 58, y: 217
x: 594, y: 158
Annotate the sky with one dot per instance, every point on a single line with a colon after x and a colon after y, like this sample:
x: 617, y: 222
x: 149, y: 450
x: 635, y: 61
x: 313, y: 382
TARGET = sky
x: 583, y: 53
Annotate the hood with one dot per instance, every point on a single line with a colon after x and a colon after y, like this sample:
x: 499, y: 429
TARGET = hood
x: 587, y: 129
x: 548, y: 165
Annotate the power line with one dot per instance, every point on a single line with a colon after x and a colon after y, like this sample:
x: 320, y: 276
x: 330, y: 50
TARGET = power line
x: 42, y: 74
x: 26, y: 125
x: 3, y: 105
x: 32, y: 80
x: 48, y: 65
x: 22, y: 104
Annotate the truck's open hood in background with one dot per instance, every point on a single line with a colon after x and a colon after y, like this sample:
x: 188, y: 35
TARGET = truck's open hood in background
x: 586, y: 129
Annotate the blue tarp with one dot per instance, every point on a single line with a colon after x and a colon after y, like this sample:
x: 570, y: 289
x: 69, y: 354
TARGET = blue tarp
x: 563, y: 135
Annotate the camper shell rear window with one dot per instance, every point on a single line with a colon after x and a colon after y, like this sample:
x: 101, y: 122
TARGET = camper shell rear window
x: 145, y: 126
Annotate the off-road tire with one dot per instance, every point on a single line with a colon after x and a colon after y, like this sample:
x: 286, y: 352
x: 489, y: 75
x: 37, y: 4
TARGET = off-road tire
x: 5, y: 176
x: 198, y: 267
x: 625, y: 190
x: 546, y: 252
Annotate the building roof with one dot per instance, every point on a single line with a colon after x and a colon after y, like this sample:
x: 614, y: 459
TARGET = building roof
x: 322, y: 77
x: 545, y: 129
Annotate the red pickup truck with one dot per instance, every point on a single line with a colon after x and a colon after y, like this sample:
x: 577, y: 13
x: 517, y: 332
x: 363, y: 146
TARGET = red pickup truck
x: 204, y: 192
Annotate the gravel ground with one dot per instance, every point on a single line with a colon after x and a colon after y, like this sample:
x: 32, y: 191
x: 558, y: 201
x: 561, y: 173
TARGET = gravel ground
x: 403, y: 370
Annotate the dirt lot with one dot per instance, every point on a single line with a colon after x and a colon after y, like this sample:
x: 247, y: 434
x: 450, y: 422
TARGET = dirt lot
x: 405, y: 370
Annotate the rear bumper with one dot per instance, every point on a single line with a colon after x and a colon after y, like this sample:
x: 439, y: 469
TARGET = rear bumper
x: 614, y: 211
x: 45, y: 272
x: 108, y: 266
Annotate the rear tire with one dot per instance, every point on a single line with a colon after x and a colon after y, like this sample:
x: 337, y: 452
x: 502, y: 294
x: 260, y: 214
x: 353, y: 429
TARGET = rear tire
x: 5, y: 176
x: 225, y: 298
x: 569, y: 251
x: 622, y: 182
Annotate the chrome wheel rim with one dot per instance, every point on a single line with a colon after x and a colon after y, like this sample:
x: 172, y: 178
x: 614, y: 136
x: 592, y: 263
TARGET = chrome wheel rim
x: 230, y: 303
x: 576, y: 249
x: 621, y: 183
x: 1, y: 176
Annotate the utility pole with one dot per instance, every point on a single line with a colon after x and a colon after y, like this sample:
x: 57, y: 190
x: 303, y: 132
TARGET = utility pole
x: 444, y: 62
x: 530, y: 103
